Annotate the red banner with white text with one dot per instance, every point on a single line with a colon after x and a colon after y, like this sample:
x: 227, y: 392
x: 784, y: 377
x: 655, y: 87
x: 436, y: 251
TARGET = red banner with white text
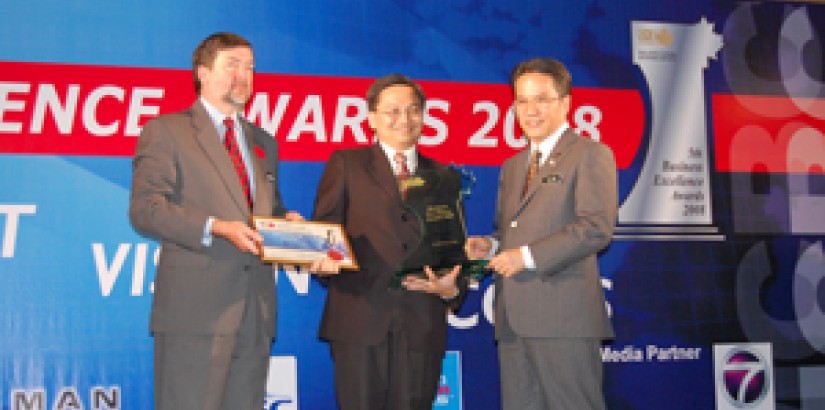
x: 60, y: 109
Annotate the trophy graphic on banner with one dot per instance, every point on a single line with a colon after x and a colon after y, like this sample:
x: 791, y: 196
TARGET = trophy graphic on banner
x: 431, y: 198
x: 671, y: 197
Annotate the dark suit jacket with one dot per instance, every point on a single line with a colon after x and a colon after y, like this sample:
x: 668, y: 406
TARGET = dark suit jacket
x: 566, y: 217
x: 182, y: 174
x: 358, y: 189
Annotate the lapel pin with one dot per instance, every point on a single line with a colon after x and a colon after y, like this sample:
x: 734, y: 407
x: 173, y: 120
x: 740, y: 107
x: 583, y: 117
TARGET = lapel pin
x: 555, y: 178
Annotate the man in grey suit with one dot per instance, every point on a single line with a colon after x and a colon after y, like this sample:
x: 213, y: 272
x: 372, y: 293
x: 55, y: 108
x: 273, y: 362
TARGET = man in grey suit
x: 556, y: 209
x: 198, y: 175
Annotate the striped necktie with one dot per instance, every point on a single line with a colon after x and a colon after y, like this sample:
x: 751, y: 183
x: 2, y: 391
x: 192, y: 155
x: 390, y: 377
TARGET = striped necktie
x: 237, y: 160
x: 403, y: 172
x: 532, y: 170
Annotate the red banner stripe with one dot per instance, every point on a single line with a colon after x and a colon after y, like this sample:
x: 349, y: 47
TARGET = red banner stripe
x: 66, y: 109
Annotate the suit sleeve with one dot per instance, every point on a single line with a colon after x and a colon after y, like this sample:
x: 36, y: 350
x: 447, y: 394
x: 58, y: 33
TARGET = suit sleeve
x: 331, y: 198
x: 155, y: 200
x: 499, y: 204
x: 595, y: 208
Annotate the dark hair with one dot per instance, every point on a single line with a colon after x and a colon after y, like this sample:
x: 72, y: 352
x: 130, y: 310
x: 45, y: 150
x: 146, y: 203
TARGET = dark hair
x: 207, y: 51
x: 548, y: 66
x: 390, y: 80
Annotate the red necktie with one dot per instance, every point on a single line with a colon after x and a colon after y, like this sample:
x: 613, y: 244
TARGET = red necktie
x: 237, y: 160
x: 532, y: 170
x: 403, y: 172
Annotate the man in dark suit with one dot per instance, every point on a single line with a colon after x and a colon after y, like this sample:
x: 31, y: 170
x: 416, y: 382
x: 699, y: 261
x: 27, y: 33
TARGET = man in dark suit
x: 387, y: 344
x: 551, y: 221
x: 196, y: 180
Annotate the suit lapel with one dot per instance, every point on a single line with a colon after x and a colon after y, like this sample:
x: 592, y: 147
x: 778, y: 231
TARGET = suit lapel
x: 549, y: 169
x: 263, y: 186
x: 518, y: 175
x: 207, y: 138
x: 424, y: 163
x: 381, y: 171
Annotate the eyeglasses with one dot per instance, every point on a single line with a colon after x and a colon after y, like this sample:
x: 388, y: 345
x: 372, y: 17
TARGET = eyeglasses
x: 541, y: 100
x: 413, y: 111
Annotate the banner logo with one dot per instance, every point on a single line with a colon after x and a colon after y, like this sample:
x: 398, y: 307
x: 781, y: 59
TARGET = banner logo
x: 744, y: 376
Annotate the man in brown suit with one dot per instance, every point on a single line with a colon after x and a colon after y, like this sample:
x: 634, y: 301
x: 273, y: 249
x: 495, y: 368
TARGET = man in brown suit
x: 551, y: 221
x: 387, y: 344
x: 213, y: 312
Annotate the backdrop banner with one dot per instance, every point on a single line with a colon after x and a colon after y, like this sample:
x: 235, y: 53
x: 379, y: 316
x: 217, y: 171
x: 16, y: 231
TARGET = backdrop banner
x: 715, y: 111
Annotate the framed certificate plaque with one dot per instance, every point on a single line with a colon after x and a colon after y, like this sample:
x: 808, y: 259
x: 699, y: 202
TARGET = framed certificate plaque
x: 303, y: 242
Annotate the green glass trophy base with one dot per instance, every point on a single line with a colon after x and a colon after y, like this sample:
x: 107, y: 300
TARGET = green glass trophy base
x: 470, y: 270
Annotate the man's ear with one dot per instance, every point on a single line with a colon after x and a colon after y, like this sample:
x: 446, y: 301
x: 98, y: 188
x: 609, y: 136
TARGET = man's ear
x: 371, y: 119
x: 202, y: 72
x: 567, y: 101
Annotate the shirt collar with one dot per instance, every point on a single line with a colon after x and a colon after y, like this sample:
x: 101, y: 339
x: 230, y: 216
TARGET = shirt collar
x: 216, y: 115
x: 546, y: 146
x: 410, y: 153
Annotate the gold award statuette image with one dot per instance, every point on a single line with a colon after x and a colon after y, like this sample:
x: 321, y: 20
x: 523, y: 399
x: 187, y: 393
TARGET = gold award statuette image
x: 435, y: 198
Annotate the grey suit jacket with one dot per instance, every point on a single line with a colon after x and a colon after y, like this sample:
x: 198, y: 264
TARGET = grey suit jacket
x: 182, y: 175
x: 567, y: 215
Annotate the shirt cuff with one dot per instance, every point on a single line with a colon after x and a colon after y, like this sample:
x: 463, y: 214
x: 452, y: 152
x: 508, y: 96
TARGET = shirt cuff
x: 529, y: 262
x: 207, y: 232
x: 493, y: 248
x: 452, y: 298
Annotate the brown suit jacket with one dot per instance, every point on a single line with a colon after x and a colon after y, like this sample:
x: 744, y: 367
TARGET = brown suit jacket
x: 358, y: 189
x: 182, y: 174
x: 566, y: 217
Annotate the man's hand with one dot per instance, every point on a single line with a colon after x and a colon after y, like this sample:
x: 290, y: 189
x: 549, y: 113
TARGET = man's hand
x: 293, y: 216
x: 507, y: 263
x: 477, y: 247
x: 325, y: 266
x: 240, y: 234
x: 444, y: 286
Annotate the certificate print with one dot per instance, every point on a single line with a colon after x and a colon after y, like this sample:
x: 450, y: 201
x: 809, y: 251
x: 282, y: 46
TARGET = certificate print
x: 303, y: 242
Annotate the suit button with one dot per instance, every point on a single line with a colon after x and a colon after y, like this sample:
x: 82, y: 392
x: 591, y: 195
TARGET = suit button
x: 247, y: 268
x: 404, y: 217
x: 404, y: 246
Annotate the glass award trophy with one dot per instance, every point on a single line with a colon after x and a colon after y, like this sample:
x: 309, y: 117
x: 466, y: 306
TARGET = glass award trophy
x: 435, y: 198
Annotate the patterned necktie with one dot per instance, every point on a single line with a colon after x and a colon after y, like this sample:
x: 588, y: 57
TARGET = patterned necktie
x: 237, y: 160
x: 532, y: 170
x: 403, y: 172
